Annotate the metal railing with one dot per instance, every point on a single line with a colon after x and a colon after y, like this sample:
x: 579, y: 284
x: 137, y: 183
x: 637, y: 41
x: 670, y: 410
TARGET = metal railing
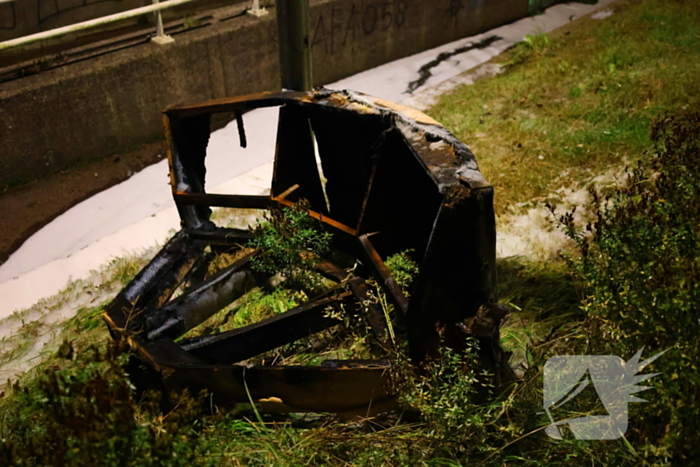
x: 256, y: 10
x: 156, y: 8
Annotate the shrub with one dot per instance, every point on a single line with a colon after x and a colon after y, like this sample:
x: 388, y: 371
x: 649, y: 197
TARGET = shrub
x: 291, y: 242
x: 640, y: 265
x: 86, y: 414
x: 403, y: 269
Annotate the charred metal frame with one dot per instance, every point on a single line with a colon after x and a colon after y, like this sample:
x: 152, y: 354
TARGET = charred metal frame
x: 397, y: 180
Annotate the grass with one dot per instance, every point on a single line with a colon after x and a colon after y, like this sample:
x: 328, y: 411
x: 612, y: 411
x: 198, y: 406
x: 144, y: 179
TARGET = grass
x: 569, y: 106
x: 581, y: 100
x: 31, y: 336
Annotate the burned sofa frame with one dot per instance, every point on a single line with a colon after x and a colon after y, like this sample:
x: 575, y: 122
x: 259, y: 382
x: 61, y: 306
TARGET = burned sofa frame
x: 396, y: 180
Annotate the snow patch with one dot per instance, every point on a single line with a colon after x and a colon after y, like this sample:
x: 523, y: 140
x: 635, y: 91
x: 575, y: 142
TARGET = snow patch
x: 533, y: 234
x: 429, y: 97
x: 602, y: 14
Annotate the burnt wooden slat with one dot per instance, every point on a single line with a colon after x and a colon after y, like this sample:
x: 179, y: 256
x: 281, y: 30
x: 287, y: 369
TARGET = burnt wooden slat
x: 335, y: 225
x: 248, y: 341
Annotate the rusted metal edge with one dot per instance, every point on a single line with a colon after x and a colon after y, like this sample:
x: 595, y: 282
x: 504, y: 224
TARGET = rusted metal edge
x: 420, y: 131
x: 344, y: 387
x: 229, y: 104
x: 383, y: 275
x: 335, y: 225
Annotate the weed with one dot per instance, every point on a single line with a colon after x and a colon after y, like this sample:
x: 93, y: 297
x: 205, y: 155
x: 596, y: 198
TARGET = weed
x: 537, y: 42
x: 532, y: 47
x: 82, y: 414
x: 191, y: 22
x: 290, y: 243
x: 639, y: 263
x: 403, y: 269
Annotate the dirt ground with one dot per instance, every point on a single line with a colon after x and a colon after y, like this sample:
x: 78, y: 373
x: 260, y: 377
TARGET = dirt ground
x: 27, y: 208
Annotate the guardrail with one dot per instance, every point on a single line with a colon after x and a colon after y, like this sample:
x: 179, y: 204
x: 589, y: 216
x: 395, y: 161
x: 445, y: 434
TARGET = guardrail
x: 156, y: 8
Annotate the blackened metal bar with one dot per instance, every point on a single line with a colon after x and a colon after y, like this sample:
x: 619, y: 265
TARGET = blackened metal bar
x: 296, y: 388
x: 331, y: 271
x: 224, y: 201
x: 228, y: 104
x: 450, y: 292
x: 241, y: 128
x: 221, y: 236
x: 188, y: 142
x: 169, y: 151
x: 193, y: 308
x: 172, y: 279
x: 196, y: 274
x: 156, y: 282
x: 160, y: 265
x: 376, y: 159
x: 162, y: 352
x: 375, y: 163
x: 249, y: 341
x: 383, y: 275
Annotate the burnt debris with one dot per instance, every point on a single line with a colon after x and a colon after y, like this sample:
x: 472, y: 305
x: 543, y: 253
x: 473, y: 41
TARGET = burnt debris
x: 395, y: 180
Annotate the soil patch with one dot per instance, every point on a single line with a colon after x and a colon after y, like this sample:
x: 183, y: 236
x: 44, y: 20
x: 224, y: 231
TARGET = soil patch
x: 27, y: 208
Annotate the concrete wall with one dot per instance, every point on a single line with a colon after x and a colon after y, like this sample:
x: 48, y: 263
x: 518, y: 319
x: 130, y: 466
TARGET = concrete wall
x: 353, y: 35
x: 23, y: 17
x: 112, y: 104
